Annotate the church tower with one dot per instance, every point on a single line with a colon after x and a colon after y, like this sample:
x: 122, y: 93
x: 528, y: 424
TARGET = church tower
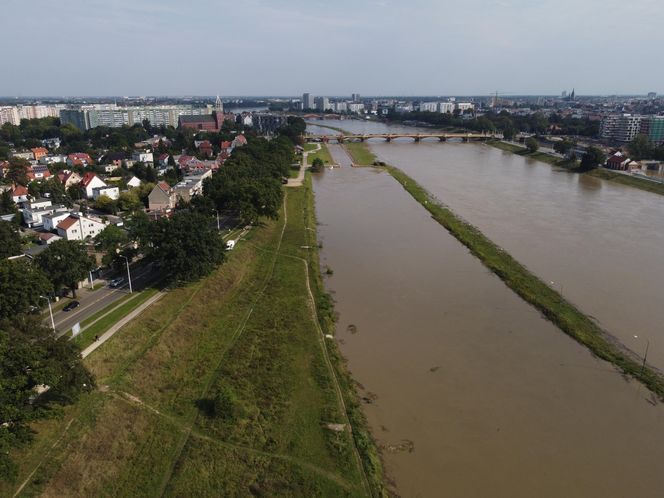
x: 218, y: 113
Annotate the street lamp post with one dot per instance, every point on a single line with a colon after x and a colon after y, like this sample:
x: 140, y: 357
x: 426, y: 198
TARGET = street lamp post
x: 645, y: 355
x: 128, y: 272
x: 218, y: 225
x: 50, y: 311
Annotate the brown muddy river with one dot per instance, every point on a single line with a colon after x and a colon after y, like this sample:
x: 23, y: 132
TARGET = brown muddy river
x: 474, y: 394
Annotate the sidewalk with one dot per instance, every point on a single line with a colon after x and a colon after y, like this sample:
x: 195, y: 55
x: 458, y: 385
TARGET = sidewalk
x: 110, y: 332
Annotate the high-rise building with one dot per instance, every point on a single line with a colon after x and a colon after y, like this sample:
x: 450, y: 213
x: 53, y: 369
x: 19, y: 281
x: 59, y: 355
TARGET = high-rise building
x: 103, y: 115
x: 307, y: 101
x: 620, y: 127
x: 652, y: 95
x: 356, y: 97
x: 322, y: 103
x: 653, y: 128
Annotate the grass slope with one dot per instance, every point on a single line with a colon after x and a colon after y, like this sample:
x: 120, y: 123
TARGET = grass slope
x: 247, y: 330
x: 360, y: 152
x: 647, y: 185
x: 323, y: 154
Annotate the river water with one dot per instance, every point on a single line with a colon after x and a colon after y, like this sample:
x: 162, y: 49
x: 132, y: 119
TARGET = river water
x: 474, y: 393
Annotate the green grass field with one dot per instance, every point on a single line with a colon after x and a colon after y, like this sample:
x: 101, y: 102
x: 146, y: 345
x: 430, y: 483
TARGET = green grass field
x: 323, y: 154
x: 248, y: 332
x: 360, y: 152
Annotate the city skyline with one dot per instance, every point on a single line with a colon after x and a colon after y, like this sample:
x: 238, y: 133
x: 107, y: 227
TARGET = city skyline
x: 381, y: 48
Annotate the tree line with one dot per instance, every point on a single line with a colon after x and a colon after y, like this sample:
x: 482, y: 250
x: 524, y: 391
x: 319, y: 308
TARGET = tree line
x: 508, y: 124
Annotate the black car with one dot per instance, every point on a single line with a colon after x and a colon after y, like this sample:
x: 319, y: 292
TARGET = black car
x: 71, y: 306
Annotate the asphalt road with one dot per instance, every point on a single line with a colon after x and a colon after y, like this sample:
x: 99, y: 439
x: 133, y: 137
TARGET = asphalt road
x: 93, y: 301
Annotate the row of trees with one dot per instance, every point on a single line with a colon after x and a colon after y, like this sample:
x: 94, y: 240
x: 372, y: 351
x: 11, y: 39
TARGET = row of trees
x: 30, y: 354
x: 506, y: 123
x: 642, y: 148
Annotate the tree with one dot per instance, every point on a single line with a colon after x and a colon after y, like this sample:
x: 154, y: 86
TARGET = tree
x: 641, y: 148
x: 10, y: 240
x: 592, y: 158
x: 31, y: 356
x: 106, y: 204
x: 110, y: 239
x: 532, y: 144
x: 21, y: 284
x: 186, y: 246
x: 129, y: 201
x: 18, y: 171
x: 563, y: 146
x: 66, y: 262
x: 7, y: 204
x: 317, y: 165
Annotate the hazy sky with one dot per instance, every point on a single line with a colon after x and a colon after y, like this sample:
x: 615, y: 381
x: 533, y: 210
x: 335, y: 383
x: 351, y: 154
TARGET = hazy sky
x: 374, y: 47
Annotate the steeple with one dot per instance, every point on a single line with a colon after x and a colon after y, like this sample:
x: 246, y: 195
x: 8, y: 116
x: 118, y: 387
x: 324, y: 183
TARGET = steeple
x: 218, y: 105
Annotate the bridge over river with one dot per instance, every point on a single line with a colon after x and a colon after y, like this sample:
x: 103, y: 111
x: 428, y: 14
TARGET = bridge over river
x: 388, y: 137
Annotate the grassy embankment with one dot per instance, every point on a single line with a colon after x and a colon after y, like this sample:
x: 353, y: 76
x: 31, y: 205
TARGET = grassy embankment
x: 604, y: 174
x: 529, y: 287
x: 246, y: 332
x: 360, y: 153
x: 323, y: 154
x: 540, y: 156
x: 632, y: 181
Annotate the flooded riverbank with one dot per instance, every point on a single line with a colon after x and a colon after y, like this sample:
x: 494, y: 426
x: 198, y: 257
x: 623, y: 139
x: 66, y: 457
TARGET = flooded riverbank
x: 491, y: 399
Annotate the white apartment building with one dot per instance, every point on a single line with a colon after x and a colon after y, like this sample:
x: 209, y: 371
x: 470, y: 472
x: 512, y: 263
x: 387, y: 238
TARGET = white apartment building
x: 108, y: 190
x: 446, y: 107
x: 78, y: 227
x: 620, y: 127
x: 428, y: 106
x: 50, y: 221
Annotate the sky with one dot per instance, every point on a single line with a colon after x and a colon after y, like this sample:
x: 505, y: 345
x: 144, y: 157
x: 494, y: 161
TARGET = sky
x: 372, y: 47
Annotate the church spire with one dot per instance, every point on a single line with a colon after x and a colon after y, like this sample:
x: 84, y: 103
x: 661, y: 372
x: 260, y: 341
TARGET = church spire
x: 218, y: 105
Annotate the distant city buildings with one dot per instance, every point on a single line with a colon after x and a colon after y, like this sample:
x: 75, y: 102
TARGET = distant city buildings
x: 14, y: 114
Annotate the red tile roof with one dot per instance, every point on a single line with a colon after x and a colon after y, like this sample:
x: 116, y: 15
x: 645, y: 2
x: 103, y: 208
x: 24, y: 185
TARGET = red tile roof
x: 87, y: 178
x: 164, y: 186
x: 19, y: 190
x: 67, y: 223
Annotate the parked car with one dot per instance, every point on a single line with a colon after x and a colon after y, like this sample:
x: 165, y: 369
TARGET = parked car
x: 116, y: 282
x: 230, y: 245
x: 71, y: 306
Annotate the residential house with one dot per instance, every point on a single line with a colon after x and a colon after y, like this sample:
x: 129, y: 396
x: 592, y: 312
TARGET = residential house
x: 51, y: 143
x: 134, y: 182
x: 163, y: 160
x: 48, y: 238
x: 162, y: 197
x: 79, y: 159
x: 191, y: 185
x: 4, y: 167
x: 19, y: 194
x: 227, y: 146
x: 89, y: 182
x: 22, y: 155
x: 204, y: 147
x: 617, y: 161
x: 50, y: 221
x: 52, y: 159
x: 79, y: 227
x: 114, y: 158
x: 69, y: 178
x: 39, y: 152
x: 107, y: 190
x: 39, y: 172
x: 35, y: 211
x: 146, y: 157
x: 239, y: 141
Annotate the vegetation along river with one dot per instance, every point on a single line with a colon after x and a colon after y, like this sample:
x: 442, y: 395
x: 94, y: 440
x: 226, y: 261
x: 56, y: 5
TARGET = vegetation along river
x: 468, y: 390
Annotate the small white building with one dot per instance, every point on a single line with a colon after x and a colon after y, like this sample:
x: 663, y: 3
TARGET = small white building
x: 90, y: 182
x: 142, y: 156
x: 133, y: 182
x: 51, y: 221
x: 108, y: 190
x: 34, y: 212
x: 78, y: 227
